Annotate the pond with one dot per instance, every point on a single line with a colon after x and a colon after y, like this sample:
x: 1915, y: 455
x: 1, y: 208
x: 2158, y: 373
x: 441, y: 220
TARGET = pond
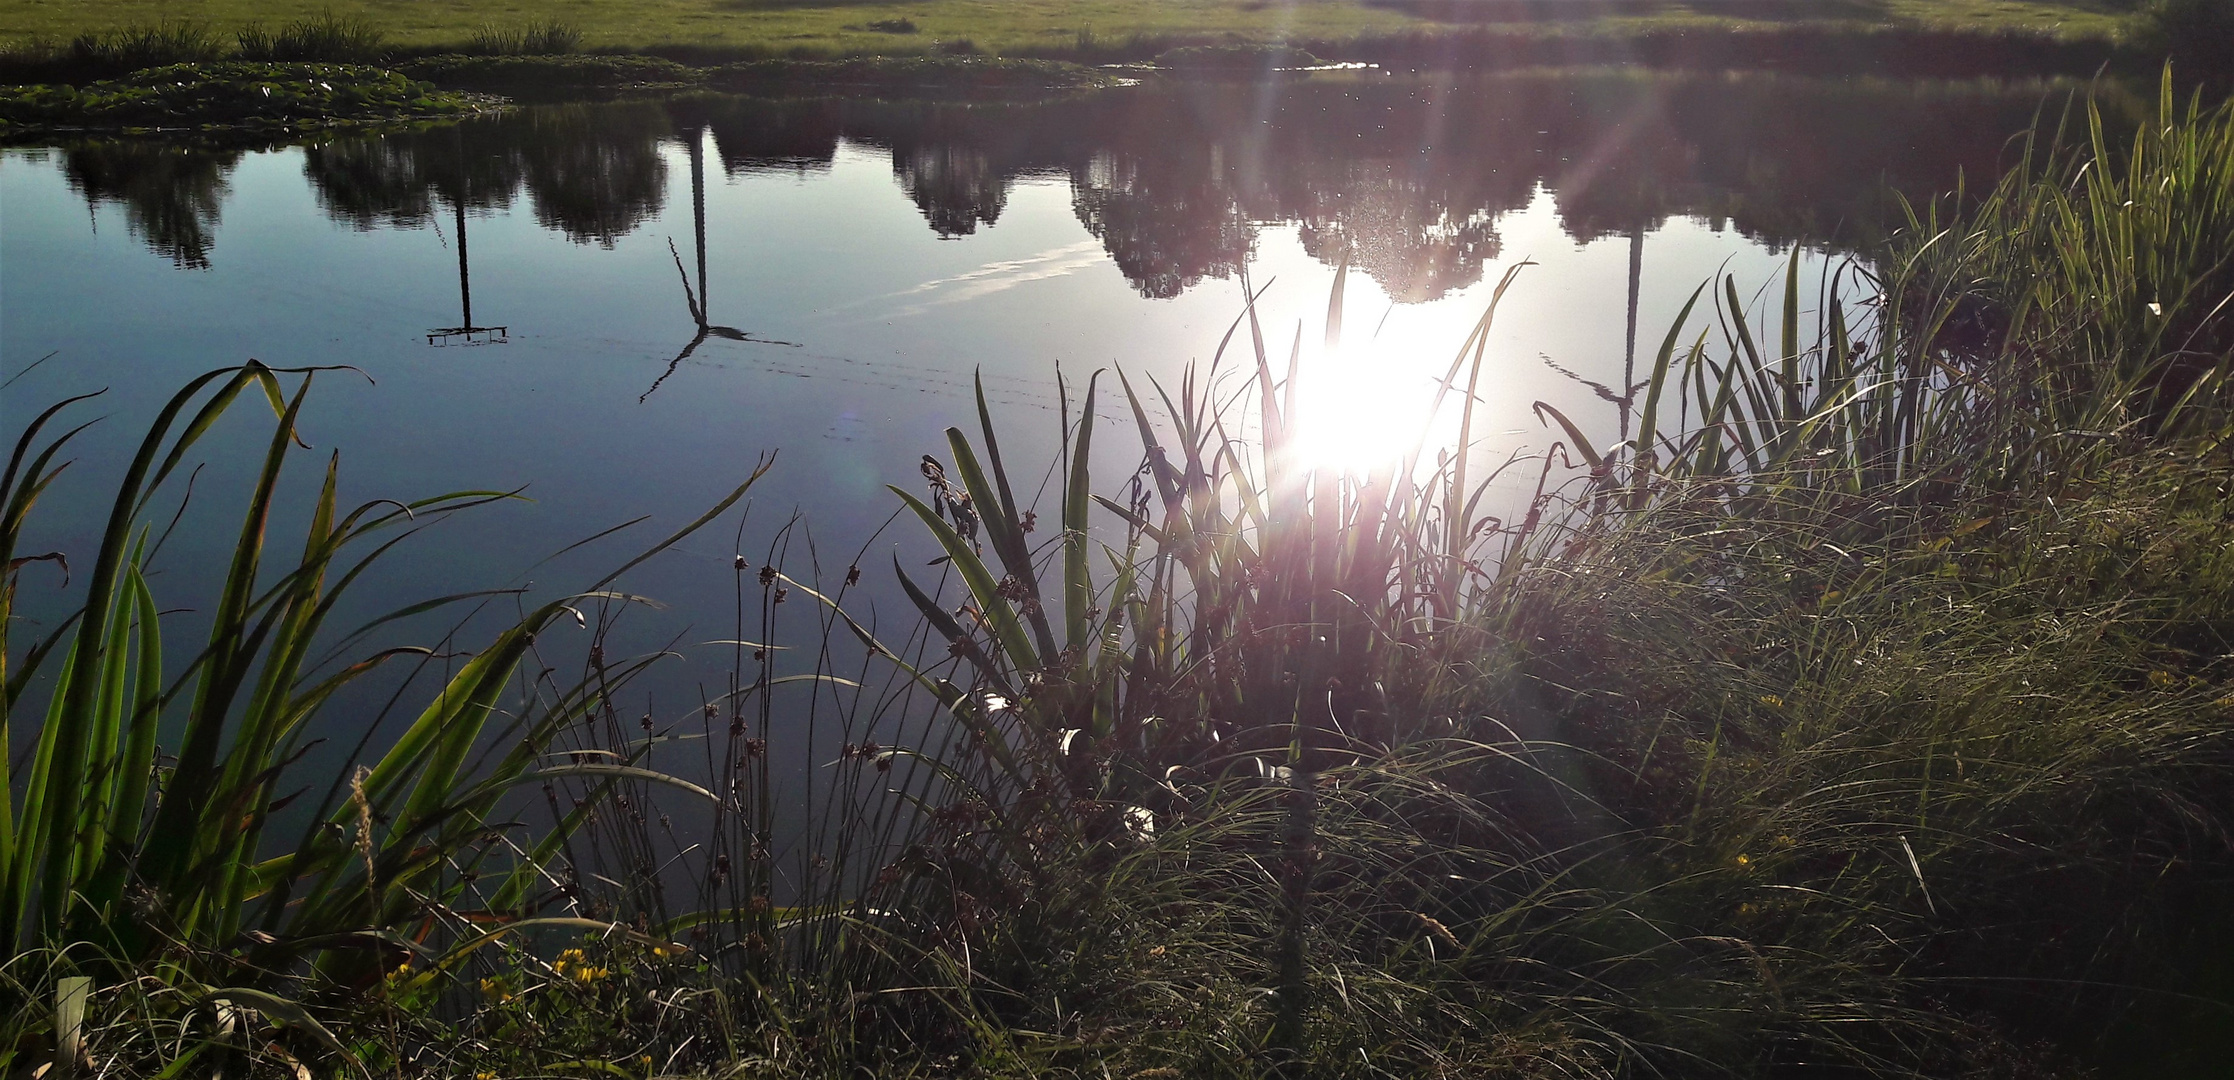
x: 622, y: 307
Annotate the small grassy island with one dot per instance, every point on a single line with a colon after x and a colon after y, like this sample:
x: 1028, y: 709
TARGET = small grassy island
x: 234, y: 94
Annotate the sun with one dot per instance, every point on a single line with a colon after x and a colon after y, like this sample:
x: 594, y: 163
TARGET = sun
x: 1363, y: 406
x: 1357, y: 411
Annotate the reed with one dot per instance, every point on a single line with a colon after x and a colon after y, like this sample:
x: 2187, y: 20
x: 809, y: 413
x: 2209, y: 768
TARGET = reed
x: 1754, y: 731
x: 145, y: 836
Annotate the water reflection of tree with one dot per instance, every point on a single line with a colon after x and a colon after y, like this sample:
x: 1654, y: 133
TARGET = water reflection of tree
x: 171, y: 195
x: 957, y: 187
x: 1164, y: 230
x: 1413, y: 247
x: 765, y: 136
x: 595, y: 172
x: 1403, y: 178
x: 397, y: 181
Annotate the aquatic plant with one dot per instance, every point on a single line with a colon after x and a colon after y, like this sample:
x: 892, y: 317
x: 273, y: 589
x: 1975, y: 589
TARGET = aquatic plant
x: 146, y: 836
x: 1734, y: 740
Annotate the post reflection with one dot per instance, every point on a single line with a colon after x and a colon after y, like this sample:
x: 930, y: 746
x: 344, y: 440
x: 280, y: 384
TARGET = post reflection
x: 698, y: 301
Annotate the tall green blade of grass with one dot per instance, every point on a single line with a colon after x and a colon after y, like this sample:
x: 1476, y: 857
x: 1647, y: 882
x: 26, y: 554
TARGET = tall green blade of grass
x: 94, y: 825
x: 1078, y: 582
x: 74, y: 720
x: 185, y: 837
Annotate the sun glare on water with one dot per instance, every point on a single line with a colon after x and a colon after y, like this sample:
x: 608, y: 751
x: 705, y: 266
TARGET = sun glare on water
x: 1360, y: 409
x: 1365, y: 404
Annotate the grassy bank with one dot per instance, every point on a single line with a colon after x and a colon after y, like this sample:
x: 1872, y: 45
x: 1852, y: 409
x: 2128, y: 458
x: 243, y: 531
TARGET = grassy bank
x: 1029, y: 24
x: 1864, y: 712
x: 540, y: 63
x: 79, y: 42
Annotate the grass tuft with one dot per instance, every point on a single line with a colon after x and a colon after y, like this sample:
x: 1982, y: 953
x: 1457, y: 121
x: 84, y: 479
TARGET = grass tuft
x: 545, y: 38
x: 328, y: 38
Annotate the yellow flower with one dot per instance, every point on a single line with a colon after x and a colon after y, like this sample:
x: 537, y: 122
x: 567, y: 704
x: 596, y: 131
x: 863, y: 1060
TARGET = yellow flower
x: 484, y: 1076
x: 2161, y: 679
x: 1772, y: 701
x: 1743, y: 861
x: 585, y: 974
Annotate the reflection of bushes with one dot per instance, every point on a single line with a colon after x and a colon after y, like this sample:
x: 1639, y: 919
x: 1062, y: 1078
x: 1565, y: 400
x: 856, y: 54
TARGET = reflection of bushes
x: 394, y: 181
x: 171, y: 195
x: 592, y: 173
x: 596, y: 173
x: 956, y: 188
x: 1164, y: 238
x: 1405, y: 183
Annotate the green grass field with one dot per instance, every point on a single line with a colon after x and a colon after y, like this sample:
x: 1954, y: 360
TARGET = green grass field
x: 1011, y: 25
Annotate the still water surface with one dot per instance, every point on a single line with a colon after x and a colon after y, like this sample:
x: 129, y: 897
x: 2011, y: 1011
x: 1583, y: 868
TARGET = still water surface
x: 658, y: 294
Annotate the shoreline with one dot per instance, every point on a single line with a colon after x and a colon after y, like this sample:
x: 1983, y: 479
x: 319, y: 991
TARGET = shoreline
x: 451, y: 84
